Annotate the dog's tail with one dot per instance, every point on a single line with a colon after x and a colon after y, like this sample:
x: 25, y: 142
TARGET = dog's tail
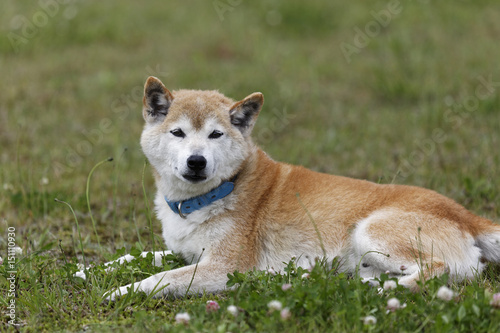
x: 488, y: 240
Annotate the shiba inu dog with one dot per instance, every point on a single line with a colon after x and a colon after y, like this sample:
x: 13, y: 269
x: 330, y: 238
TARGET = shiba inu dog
x: 225, y: 205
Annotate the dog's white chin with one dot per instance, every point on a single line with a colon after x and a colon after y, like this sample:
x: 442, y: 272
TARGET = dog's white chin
x: 197, y: 181
x: 176, y: 187
x: 184, y: 179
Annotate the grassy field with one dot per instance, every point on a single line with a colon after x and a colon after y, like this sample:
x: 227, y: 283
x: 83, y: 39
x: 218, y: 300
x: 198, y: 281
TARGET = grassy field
x: 402, y: 92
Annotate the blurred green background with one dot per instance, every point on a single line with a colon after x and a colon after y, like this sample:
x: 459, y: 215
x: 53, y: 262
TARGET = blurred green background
x: 390, y: 91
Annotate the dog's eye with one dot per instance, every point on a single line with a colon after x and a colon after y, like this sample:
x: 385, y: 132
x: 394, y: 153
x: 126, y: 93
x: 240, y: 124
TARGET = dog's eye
x: 215, y: 135
x: 178, y: 133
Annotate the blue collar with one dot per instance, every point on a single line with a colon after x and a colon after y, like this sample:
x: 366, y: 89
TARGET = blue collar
x: 185, y: 207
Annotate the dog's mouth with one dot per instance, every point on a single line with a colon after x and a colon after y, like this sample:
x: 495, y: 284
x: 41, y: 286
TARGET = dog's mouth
x: 194, y: 178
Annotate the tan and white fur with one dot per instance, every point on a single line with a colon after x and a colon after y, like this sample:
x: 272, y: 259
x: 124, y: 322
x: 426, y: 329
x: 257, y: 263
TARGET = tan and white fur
x: 276, y: 210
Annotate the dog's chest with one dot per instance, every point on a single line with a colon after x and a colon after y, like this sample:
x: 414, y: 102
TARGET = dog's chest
x: 193, y: 236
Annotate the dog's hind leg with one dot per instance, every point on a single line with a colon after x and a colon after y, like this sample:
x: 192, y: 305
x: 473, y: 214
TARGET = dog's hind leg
x: 406, y: 246
x: 157, y: 260
x: 408, y: 269
x: 425, y: 271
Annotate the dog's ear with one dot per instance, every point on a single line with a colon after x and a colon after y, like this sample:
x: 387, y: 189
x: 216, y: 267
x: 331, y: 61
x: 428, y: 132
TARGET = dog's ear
x: 156, y: 101
x: 244, y: 113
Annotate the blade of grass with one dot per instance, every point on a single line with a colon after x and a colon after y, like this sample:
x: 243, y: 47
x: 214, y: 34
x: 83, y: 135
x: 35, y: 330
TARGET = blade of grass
x: 115, y: 192
x: 194, y: 273
x: 314, y: 224
x: 148, y: 212
x: 77, y: 228
x: 88, y: 197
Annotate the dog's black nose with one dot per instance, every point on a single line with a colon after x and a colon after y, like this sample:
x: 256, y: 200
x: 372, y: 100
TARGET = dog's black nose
x: 196, y: 162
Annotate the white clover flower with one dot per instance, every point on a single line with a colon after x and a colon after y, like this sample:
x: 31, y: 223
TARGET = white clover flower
x: 285, y: 314
x: 305, y: 276
x: 286, y: 286
x: 390, y: 285
x: 182, y: 318
x: 394, y: 304
x: 446, y: 294
x: 8, y: 187
x: 212, y: 306
x: 80, y: 267
x: 233, y: 310
x: 70, y: 12
x: 18, y: 250
x: 495, y: 302
x: 275, y: 305
x: 271, y: 271
x: 369, y: 320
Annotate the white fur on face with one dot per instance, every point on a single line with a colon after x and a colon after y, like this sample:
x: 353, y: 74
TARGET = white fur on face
x: 169, y: 155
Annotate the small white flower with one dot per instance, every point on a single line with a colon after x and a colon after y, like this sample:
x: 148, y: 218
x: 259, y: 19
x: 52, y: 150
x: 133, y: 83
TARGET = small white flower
x: 233, y: 310
x: 8, y: 187
x: 285, y: 314
x: 369, y: 320
x: 1, y: 260
x: 80, y: 267
x: 182, y: 318
x: 305, y: 276
x: 495, y: 302
x: 18, y: 250
x: 44, y: 181
x: 394, y: 304
x: 390, y: 284
x: 286, y: 286
x: 212, y: 306
x: 275, y: 305
x: 271, y: 271
x: 446, y: 294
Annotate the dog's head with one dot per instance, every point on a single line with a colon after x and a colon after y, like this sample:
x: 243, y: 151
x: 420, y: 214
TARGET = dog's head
x: 196, y: 139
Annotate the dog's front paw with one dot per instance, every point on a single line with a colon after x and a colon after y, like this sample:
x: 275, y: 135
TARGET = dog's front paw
x: 371, y: 282
x: 81, y: 275
x: 114, y: 295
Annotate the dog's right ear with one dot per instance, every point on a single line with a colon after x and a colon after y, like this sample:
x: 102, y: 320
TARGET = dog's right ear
x: 244, y: 113
x: 156, y: 101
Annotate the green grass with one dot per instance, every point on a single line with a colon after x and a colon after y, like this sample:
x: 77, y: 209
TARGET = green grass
x: 409, y: 108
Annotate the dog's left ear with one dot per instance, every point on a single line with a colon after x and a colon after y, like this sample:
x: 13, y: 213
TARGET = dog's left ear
x: 244, y: 113
x: 157, y: 100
